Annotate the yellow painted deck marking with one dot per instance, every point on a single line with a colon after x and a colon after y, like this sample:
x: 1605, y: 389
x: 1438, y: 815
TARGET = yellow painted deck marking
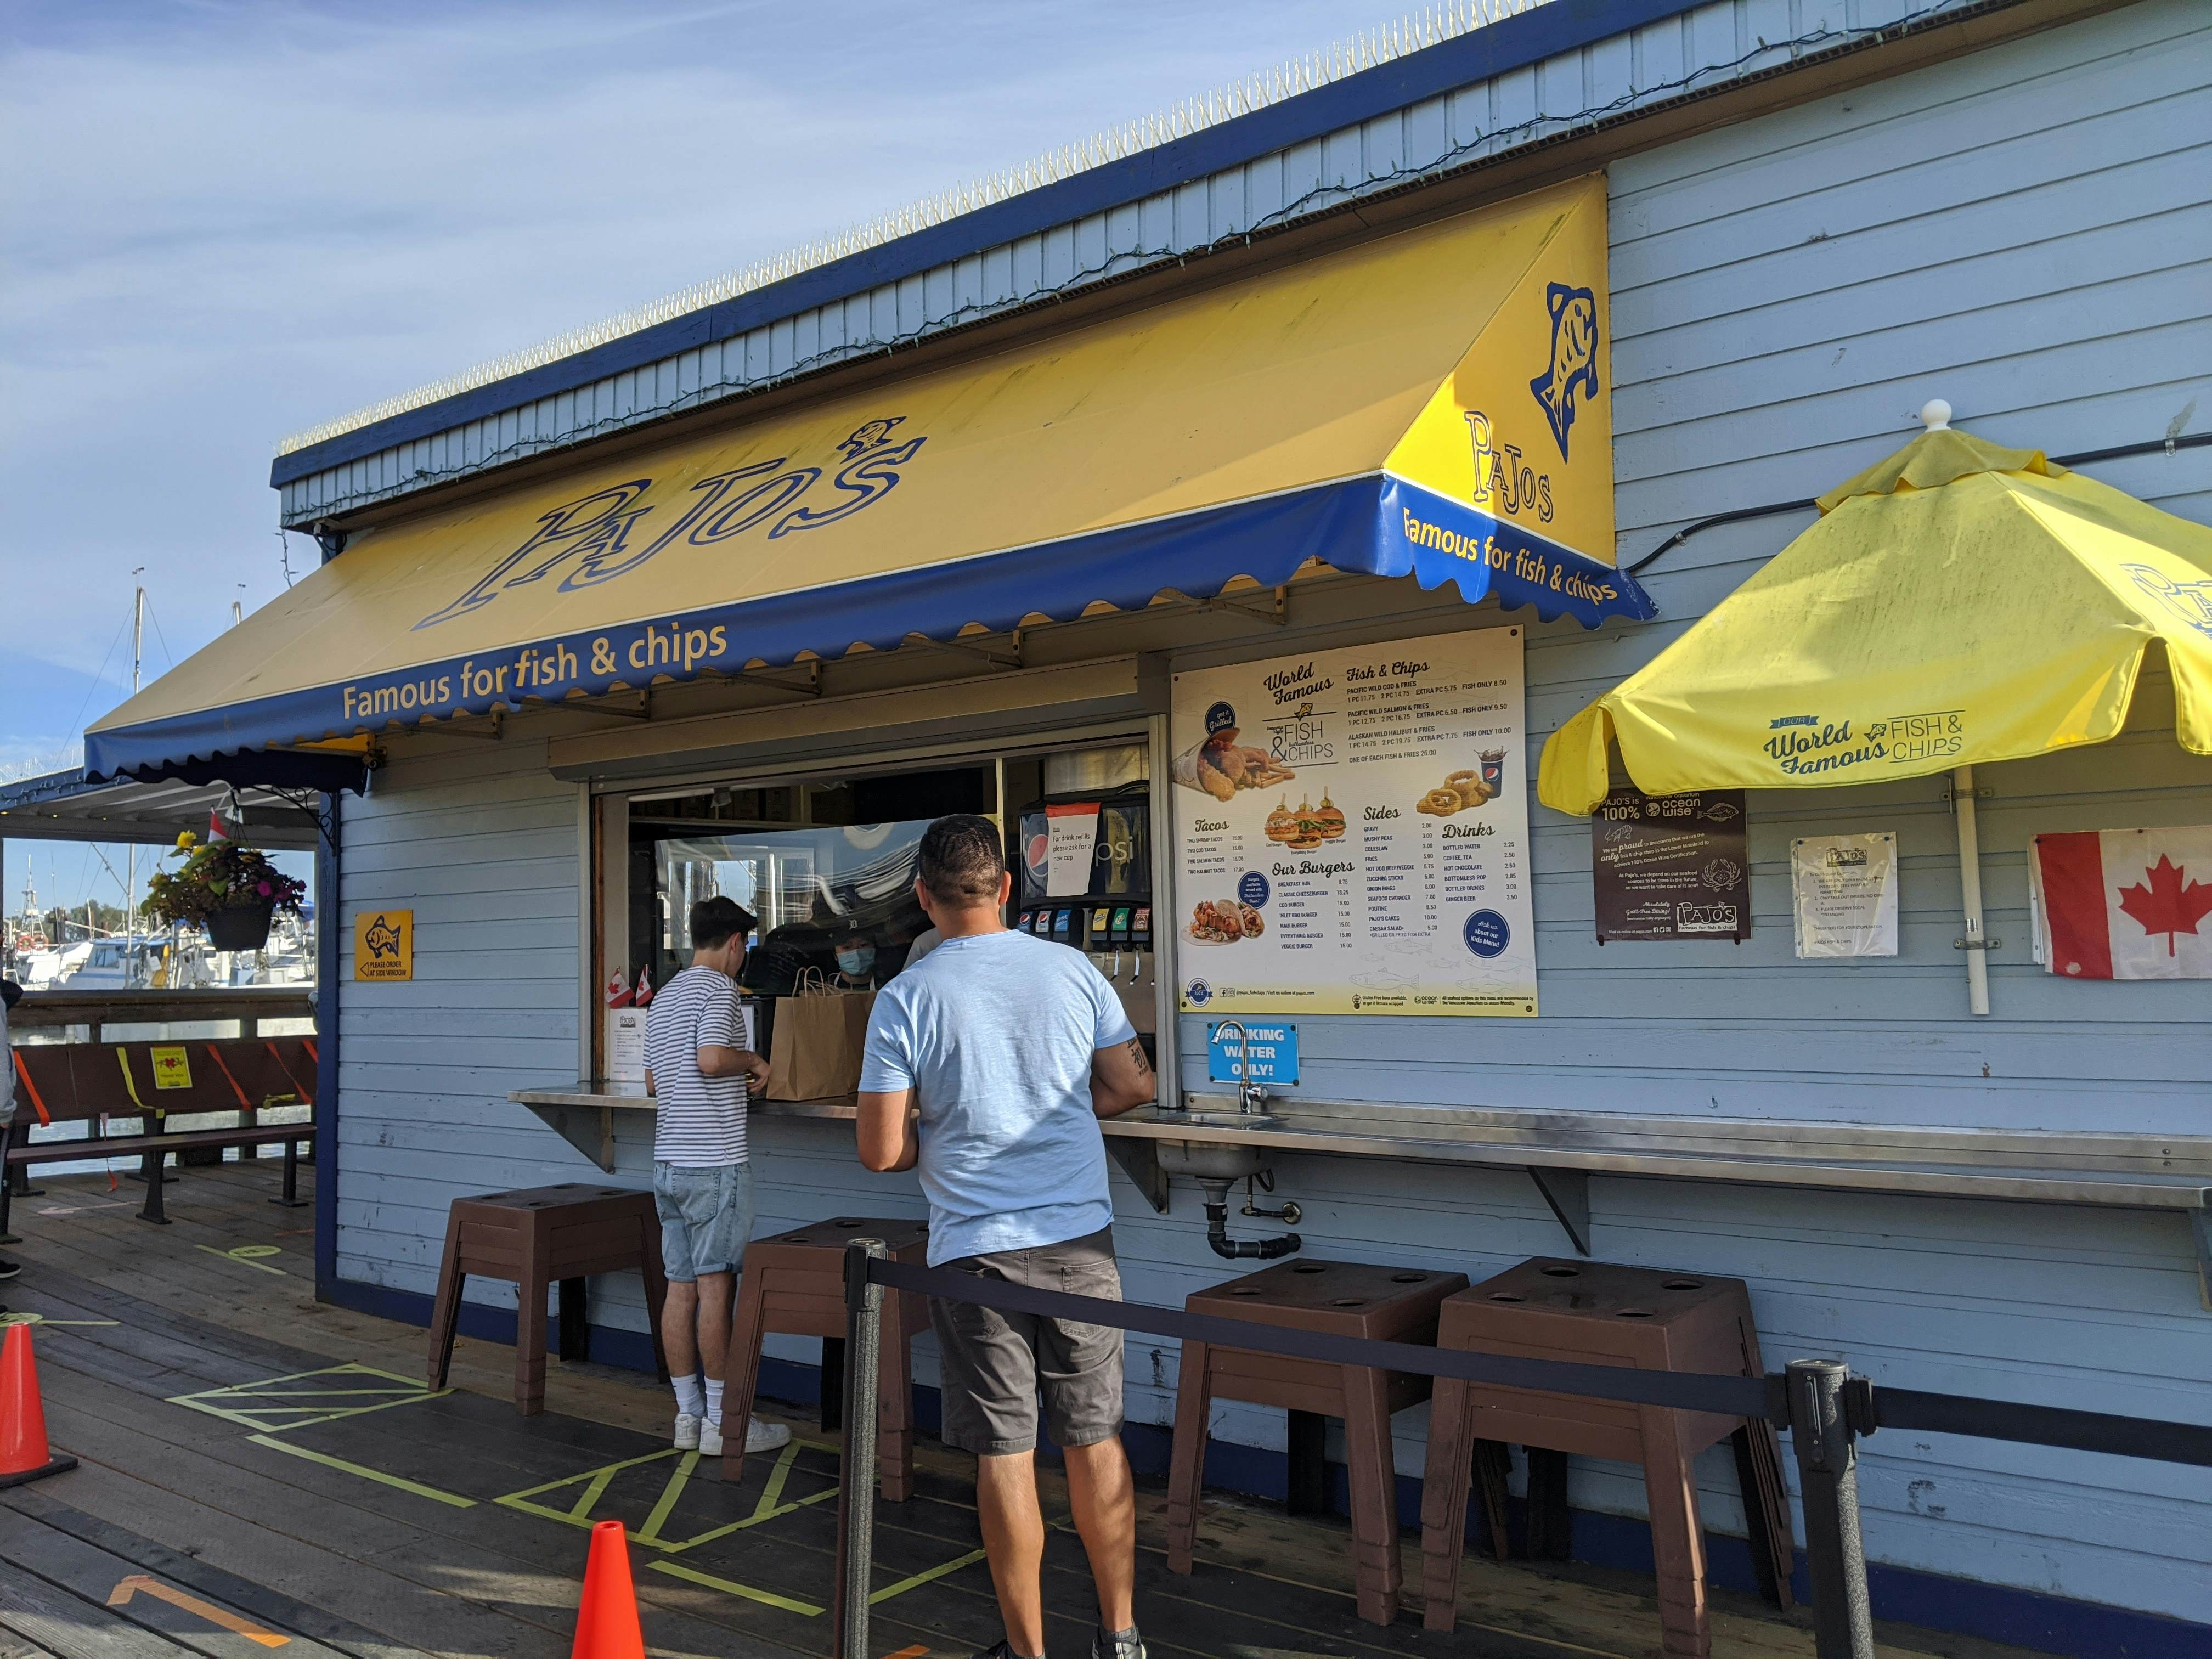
x: 377, y: 1475
x: 930, y: 1577
x: 592, y: 1493
x: 139, y: 1583
x: 754, y: 1520
x: 730, y: 1586
x: 595, y: 1483
x: 267, y: 1404
x: 650, y: 1532
x: 773, y: 1491
x: 244, y: 1255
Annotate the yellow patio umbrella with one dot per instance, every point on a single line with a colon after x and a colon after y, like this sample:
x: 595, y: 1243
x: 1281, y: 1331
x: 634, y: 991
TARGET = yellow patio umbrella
x: 1957, y: 604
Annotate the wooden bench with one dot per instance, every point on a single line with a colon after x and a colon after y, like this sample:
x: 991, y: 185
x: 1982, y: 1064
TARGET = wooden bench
x: 101, y: 1084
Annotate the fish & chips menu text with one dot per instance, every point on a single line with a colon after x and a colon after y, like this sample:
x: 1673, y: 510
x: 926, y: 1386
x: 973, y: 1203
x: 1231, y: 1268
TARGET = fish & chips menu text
x: 1351, y: 831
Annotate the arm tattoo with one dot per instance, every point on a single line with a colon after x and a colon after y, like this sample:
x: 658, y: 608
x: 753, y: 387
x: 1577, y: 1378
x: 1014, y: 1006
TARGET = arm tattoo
x: 1137, y: 1053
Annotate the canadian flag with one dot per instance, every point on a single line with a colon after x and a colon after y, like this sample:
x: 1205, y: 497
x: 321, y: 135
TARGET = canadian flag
x: 644, y: 993
x: 618, y: 991
x: 2125, y: 903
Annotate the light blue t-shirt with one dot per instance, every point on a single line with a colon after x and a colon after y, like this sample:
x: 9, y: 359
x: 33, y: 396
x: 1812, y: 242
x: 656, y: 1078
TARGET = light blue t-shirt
x: 995, y: 1033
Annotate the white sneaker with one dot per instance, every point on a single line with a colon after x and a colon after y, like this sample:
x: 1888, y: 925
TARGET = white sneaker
x: 687, y: 1431
x: 709, y: 1442
x: 762, y: 1437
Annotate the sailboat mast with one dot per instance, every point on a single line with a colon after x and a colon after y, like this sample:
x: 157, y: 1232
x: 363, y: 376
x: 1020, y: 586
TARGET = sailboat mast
x: 138, y: 659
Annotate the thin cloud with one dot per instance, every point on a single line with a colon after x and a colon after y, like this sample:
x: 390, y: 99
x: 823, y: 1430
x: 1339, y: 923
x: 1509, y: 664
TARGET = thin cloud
x: 230, y: 221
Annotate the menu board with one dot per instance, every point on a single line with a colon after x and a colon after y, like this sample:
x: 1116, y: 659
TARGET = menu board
x: 1670, y: 866
x: 1351, y: 831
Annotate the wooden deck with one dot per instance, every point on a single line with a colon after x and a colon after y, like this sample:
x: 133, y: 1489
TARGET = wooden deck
x: 262, y: 1472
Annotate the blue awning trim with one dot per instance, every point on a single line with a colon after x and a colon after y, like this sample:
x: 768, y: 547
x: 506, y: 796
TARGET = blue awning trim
x: 1377, y: 526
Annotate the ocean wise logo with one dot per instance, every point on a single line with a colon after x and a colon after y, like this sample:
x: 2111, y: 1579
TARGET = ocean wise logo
x: 1572, y: 372
x: 606, y: 534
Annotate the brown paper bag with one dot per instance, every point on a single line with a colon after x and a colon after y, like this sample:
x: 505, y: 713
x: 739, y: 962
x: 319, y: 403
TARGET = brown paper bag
x: 819, y: 1034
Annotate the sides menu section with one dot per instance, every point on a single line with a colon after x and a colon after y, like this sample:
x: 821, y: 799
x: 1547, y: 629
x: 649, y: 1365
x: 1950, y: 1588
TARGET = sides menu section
x: 1351, y: 831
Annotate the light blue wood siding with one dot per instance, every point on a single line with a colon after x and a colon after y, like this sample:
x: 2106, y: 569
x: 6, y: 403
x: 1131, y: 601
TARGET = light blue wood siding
x: 2023, y: 231
x: 480, y: 842
x: 2028, y: 233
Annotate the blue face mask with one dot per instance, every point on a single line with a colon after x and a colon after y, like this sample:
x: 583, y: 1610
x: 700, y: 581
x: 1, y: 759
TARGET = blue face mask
x: 855, y: 963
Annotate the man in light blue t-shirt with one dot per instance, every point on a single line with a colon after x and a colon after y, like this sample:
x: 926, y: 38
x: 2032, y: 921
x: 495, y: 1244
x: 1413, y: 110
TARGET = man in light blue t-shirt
x: 988, y: 1066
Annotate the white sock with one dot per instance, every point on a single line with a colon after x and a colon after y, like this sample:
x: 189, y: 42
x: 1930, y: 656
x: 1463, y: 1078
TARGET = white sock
x: 714, y: 1401
x: 690, y: 1398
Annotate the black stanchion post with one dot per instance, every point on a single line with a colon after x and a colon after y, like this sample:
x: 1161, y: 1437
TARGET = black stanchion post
x: 856, y: 1472
x: 1843, y: 1618
x: 155, y: 1210
x: 8, y: 1178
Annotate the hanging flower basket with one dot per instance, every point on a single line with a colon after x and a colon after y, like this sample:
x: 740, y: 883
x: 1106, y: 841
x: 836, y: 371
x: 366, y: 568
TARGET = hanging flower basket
x: 241, y: 927
x: 229, y: 887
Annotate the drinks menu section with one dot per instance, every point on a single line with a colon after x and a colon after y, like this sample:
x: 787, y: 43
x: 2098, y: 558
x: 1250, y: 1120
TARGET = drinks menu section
x: 1351, y: 831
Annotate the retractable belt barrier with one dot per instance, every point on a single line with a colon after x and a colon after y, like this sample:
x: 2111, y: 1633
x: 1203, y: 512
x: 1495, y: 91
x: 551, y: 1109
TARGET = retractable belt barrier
x: 1824, y: 1407
x: 1767, y: 1397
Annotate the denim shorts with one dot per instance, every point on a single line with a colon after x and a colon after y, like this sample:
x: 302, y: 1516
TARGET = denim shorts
x: 706, y: 1218
x: 994, y: 1365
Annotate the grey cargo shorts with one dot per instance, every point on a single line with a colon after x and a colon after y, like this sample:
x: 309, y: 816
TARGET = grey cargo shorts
x: 994, y: 1365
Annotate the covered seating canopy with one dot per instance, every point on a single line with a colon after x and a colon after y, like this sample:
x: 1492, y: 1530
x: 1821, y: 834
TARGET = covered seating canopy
x: 1431, y: 403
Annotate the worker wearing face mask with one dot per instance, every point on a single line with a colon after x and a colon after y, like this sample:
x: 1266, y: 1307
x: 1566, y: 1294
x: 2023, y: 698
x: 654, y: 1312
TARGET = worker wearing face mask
x: 856, y: 964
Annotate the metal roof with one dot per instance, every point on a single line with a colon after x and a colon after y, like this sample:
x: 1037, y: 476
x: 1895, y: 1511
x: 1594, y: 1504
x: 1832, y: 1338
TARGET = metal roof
x: 67, y: 806
x: 1558, y: 67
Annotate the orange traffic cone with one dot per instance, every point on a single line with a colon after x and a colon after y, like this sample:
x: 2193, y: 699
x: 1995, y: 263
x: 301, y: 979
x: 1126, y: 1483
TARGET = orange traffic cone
x: 24, y: 1454
x: 607, y: 1620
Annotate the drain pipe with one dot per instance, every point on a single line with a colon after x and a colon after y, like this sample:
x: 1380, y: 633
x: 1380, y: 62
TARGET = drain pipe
x: 1976, y: 944
x: 1217, y: 1230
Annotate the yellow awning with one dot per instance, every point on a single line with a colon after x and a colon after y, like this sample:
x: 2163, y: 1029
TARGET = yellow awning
x: 1434, y: 402
x: 1957, y: 604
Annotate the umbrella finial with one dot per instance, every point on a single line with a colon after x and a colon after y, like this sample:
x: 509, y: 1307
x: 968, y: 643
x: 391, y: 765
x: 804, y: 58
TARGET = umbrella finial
x: 1935, y: 415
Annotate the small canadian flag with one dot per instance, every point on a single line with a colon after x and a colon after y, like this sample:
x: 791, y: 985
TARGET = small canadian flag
x: 644, y: 994
x: 618, y: 992
x: 2126, y: 903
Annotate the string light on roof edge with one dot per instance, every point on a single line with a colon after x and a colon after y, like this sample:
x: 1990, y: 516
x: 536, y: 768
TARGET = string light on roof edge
x: 1414, y: 31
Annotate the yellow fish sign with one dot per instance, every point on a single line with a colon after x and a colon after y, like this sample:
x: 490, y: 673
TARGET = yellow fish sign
x: 172, y: 1068
x: 383, y: 944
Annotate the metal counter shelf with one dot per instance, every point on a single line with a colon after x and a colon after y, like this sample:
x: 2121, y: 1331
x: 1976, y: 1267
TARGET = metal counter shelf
x: 1560, y: 1151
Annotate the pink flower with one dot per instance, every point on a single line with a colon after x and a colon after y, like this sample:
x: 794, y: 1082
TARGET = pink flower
x: 265, y: 889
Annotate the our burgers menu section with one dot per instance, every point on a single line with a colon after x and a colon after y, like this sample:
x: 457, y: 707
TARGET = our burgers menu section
x: 1351, y: 831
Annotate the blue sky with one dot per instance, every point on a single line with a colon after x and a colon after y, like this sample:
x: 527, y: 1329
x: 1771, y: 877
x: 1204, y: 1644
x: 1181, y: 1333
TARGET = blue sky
x: 227, y: 220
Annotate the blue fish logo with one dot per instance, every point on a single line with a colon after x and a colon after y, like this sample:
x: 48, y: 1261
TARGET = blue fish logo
x: 1573, y: 369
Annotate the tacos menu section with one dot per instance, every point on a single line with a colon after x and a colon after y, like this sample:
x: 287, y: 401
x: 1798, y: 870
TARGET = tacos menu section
x: 1351, y: 831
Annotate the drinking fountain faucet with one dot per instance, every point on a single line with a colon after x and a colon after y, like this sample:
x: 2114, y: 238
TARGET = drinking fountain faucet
x: 1250, y: 1096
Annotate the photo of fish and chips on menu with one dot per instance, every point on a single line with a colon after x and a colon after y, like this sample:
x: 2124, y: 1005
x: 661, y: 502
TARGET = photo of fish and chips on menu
x: 1398, y: 883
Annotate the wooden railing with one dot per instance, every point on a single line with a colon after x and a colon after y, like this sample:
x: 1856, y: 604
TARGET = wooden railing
x: 99, y: 1009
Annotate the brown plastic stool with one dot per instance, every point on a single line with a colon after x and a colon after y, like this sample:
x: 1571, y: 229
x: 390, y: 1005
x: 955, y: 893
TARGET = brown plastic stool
x: 538, y: 1236
x: 1342, y: 1298
x: 1600, y: 1314
x: 793, y: 1284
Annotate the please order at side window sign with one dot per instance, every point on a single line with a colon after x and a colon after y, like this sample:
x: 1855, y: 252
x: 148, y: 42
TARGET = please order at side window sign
x: 1272, y: 1053
x: 383, y: 944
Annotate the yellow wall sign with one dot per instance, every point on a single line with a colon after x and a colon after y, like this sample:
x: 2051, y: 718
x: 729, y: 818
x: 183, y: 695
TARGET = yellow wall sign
x: 172, y: 1069
x: 383, y: 944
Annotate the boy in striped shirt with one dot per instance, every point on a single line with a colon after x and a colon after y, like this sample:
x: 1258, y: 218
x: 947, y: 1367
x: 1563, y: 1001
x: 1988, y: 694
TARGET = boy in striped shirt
x: 697, y: 1068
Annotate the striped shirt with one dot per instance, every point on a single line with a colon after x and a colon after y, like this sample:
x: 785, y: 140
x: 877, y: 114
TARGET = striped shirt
x: 701, y: 1121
